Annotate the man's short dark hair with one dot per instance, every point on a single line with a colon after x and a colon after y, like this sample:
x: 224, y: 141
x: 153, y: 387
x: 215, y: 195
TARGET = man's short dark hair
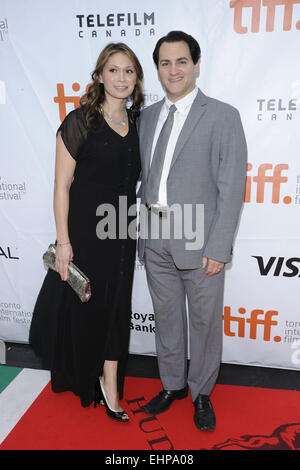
x: 175, y: 36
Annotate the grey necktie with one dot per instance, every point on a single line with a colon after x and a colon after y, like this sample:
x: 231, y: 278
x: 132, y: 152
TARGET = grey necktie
x: 153, y: 181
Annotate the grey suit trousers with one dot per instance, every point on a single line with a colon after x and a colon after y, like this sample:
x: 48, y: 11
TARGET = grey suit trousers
x: 199, y: 332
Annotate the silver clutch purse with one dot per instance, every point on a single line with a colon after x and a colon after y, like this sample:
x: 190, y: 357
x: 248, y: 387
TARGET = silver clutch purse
x: 79, y: 282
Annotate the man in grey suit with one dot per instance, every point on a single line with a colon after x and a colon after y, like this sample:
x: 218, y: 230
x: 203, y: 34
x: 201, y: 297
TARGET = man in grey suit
x: 193, y: 161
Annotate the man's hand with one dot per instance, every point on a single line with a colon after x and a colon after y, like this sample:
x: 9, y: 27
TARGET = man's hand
x: 213, y: 266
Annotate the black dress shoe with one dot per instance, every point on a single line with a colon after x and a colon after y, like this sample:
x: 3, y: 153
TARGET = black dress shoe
x: 164, y: 400
x: 204, y: 417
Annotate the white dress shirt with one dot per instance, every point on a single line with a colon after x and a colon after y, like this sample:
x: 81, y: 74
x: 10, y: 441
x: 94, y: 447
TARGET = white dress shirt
x: 183, y: 107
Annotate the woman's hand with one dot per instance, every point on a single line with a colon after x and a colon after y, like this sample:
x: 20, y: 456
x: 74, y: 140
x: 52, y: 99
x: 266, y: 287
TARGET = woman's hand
x: 64, y: 254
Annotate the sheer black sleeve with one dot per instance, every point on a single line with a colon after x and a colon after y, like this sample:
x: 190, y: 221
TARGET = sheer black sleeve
x: 73, y: 132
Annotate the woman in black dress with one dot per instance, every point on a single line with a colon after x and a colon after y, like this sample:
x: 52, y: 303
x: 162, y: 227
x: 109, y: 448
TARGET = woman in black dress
x: 97, y: 163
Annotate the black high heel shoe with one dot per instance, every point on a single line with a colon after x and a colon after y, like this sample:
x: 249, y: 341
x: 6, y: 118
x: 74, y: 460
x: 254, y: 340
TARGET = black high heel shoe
x: 98, y: 400
x: 114, y: 414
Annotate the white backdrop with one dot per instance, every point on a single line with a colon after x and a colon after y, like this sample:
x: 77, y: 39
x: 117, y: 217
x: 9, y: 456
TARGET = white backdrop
x: 250, y: 59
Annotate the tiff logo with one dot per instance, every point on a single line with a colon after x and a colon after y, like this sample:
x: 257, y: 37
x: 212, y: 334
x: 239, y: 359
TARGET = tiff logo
x: 275, y: 179
x: 271, y: 7
x: 257, y: 317
x: 61, y: 99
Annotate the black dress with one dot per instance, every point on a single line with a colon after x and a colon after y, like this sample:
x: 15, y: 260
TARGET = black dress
x: 73, y: 338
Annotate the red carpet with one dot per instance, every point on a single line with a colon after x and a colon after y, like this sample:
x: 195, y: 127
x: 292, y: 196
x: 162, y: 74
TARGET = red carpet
x: 247, y: 418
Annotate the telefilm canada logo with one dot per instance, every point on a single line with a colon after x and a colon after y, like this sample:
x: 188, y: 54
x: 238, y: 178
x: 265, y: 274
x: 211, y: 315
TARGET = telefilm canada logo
x: 277, y: 109
x: 115, y: 25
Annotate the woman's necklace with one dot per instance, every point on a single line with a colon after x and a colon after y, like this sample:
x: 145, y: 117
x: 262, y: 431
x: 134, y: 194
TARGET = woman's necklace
x: 117, y: 123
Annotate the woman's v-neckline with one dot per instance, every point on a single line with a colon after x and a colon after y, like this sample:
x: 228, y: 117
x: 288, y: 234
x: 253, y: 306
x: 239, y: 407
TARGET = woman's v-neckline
x: 117, y: 133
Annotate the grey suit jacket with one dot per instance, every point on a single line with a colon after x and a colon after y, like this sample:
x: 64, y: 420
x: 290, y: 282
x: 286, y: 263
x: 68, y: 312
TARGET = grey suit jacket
x: 209, y: 168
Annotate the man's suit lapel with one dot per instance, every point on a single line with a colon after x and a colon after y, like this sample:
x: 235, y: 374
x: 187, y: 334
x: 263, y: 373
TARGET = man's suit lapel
x: 151, y: 126
x: 197, y: 111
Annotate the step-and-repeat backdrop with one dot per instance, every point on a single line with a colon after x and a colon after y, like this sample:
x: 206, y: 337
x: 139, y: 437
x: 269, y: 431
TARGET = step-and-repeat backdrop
x: 250, y: 58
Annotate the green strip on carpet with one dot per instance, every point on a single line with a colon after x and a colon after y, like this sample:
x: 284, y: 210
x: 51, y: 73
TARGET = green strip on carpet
x: 7, y: 375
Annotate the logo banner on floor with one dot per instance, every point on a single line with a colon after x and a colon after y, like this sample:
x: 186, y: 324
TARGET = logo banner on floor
x: 249, y: 59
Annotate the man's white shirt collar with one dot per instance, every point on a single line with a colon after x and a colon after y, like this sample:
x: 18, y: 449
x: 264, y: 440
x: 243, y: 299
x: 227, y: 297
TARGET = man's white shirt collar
x: 184, y: 102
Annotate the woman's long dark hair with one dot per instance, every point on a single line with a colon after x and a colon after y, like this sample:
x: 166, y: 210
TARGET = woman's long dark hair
x: 95, y: 94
